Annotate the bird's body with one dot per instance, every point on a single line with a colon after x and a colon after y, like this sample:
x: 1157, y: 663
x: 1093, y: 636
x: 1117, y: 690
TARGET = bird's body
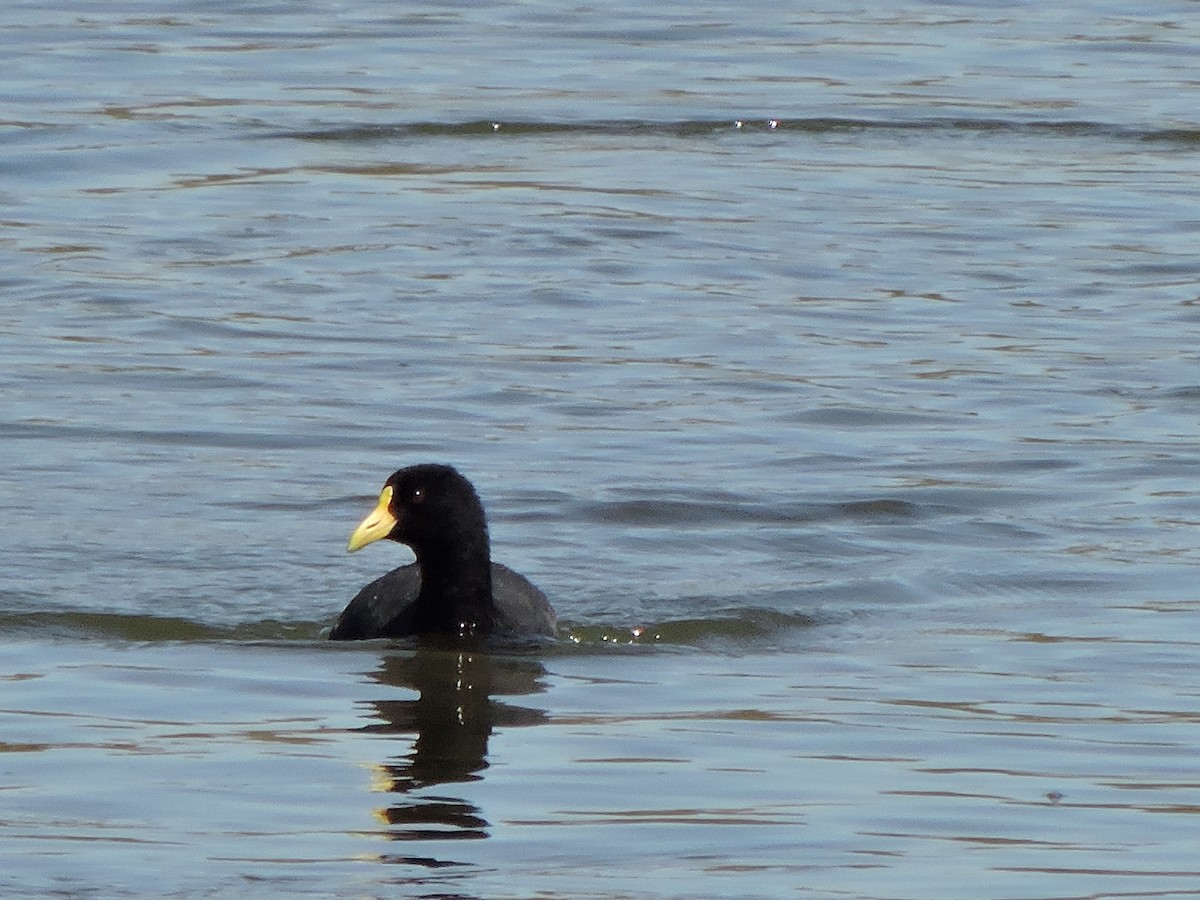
x: 453, y: 588
x: 380, y: 610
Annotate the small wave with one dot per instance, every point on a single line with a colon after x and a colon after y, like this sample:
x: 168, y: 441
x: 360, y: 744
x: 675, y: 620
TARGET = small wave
x: 237, y: 440
x: 703, y: 127
x: 81, y: 625
x: 677, y: 513
x: 735, y: 626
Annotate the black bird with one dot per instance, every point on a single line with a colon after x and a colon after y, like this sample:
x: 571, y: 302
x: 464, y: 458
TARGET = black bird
x: 453, y: 588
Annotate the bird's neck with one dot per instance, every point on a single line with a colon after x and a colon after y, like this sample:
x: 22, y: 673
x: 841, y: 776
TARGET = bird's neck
x: 456, y: 589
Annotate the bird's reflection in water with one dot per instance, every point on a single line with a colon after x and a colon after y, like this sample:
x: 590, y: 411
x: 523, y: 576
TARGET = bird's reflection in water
x: 452, y: 718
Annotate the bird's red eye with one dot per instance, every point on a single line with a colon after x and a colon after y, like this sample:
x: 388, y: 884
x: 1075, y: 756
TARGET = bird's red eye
x: 418, y: 495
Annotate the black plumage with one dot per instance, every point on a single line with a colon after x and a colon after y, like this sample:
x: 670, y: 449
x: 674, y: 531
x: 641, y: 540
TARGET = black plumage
x: 453, y: 588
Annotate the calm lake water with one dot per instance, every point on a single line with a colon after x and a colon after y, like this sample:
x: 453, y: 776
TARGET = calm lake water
x: 834, y: 369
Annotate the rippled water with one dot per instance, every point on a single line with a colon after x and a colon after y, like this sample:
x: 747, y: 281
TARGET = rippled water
x: 833, y: 370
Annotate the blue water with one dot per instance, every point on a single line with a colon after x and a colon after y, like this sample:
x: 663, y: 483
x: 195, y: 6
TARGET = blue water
x: 832, y: 369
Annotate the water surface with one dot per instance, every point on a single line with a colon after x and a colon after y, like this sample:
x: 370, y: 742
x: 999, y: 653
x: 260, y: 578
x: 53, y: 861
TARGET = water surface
x: 833, y: 370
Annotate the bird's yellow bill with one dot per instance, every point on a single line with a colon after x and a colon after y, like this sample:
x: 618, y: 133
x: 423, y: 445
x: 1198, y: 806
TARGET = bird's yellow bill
x: 378, y: 524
